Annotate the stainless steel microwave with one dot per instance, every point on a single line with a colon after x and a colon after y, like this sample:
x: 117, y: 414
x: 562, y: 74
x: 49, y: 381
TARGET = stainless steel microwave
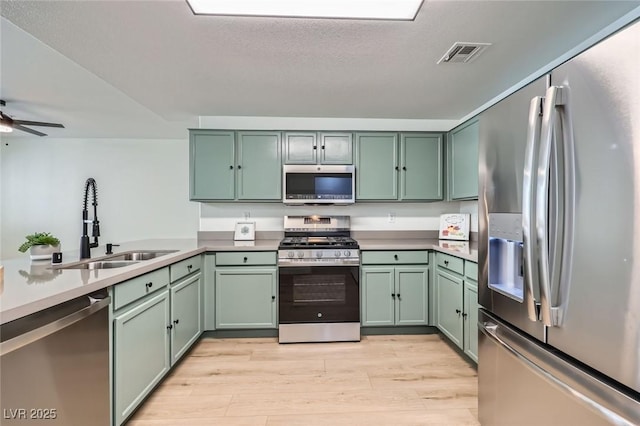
x: 318, y: 184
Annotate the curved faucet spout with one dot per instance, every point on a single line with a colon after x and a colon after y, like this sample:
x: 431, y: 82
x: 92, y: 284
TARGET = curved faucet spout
x: 85, y: 246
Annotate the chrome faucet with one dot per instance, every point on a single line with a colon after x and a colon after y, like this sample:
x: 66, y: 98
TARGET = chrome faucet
x: 85, y: 246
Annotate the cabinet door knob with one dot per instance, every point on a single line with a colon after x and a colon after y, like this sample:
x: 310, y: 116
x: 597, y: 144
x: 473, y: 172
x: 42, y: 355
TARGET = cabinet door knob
x: 464, y: 316
x: 170, y: 326
x: 322, y: 146
x: 393, y: 295
x: 149, y: 284
x: 446, y: 262
x: 273, y: 298
x: 397, y: 168
x: 458, y: 311
x: 395, y: 256
x: 315, y: 147
x: 189, y: 267
x: 176, y: 321
x: 230, y: 167
x: 404, y: 168
x: 239, y: 166
x: 245, y: 259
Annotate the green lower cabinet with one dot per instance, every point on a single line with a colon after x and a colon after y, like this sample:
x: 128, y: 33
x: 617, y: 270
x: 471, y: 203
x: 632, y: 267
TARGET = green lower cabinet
x: 394, y: 295
x: 471, y: 320
x: 209, y: 293
x: 449, y: 318
x: 185, y: 316
x: 245, y: 297
x: 457, y: 302
x: 378, y: 301
x: 141, y: 352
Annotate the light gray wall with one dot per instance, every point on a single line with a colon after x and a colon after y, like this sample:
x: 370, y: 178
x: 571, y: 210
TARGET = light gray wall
x: 143, y: 189
x: 364, y: 216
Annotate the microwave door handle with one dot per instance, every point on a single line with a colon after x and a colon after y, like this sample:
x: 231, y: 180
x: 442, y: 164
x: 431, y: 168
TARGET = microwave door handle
x: 528, y: 204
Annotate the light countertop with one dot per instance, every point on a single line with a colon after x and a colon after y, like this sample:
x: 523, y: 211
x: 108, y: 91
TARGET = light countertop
x: 31, y: 286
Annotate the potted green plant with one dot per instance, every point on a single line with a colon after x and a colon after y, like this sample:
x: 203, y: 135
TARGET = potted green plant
x: 41, y: 245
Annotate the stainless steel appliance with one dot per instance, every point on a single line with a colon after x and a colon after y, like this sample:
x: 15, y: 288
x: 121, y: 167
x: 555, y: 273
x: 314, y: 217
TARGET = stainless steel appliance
x: 54, y: 365
x: 559, y: 287
x: 318, y: 184
x: 319, y: 281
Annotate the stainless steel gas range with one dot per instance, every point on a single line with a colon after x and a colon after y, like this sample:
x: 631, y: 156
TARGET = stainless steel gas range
x: 319, y: 280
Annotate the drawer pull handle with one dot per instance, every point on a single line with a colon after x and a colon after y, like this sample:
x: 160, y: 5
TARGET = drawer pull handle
x: 446, y: 263
x: 189, y: 267
x: 149, y: 285
x: 245, y: 259
x: 395, y: 256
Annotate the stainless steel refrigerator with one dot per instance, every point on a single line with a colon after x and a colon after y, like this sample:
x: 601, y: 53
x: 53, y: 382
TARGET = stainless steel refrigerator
x: 559, y: 226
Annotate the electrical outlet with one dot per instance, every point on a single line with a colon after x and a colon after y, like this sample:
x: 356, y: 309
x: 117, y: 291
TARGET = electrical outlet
x: 247, y: 215
x: 392, y: 217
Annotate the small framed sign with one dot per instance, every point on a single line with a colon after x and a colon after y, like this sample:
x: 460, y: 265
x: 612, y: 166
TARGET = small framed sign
x: 245, y: 231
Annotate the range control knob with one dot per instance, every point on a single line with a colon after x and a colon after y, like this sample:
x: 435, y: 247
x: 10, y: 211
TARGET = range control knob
x: 290, y: 254
x: 318, y: 254
x: 300, y: 254
x: 347, y: 253
x: 337, y: 253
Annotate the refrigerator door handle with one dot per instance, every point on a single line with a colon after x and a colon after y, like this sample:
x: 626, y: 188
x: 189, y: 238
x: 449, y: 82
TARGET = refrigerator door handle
x: 553, y: 99
x: 503, y: 337
x: 528, y: 203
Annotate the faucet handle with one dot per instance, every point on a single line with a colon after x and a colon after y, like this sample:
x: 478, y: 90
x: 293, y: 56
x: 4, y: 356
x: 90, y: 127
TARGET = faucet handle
x: 110, y: 248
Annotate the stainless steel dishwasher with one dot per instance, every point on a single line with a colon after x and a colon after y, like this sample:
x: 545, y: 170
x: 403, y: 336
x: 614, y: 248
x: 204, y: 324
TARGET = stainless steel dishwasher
x: 54, y: 365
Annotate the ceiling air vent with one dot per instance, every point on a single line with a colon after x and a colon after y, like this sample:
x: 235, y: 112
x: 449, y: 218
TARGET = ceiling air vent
x: 463, y: 52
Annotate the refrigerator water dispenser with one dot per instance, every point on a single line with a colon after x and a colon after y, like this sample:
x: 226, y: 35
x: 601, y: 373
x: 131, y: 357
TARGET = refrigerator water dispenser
x: 506, y: 267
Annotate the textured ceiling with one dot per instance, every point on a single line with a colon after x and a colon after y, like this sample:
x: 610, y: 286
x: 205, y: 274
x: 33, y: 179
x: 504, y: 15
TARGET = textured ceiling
x: 152, y: 67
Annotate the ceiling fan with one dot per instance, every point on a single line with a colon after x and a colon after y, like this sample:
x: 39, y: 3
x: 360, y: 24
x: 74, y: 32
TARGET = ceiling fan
x: 7, y: 123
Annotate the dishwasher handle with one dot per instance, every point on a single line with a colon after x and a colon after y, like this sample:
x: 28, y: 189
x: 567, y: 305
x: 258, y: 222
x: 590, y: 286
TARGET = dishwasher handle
x: 41, y: 332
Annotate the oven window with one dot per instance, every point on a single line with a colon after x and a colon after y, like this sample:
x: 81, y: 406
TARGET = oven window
x: 318, y: 294
x: 329, y: 289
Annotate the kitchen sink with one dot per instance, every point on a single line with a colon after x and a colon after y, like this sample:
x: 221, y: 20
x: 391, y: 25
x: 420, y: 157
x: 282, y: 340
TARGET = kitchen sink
x: 99, y: 264
x: 139, y: 255
x: 119, y: 260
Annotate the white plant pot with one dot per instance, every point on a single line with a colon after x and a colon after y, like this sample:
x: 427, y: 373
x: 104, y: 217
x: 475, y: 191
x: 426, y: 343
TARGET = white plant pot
x: 42, y: 252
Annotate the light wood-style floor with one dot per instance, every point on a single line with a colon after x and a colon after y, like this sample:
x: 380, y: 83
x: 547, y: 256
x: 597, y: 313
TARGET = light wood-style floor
x: 382, y: 380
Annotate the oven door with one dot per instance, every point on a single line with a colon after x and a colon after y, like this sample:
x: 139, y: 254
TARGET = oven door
x: 319, y: 294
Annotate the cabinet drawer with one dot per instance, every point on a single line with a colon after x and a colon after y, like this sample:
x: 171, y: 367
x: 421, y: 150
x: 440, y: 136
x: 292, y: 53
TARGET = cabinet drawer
x: 246, y: 258
x: 136, y: 288
x: 471, y: 270
x: 185, y: 267
x: 451, y: 263
x: 395, y: 257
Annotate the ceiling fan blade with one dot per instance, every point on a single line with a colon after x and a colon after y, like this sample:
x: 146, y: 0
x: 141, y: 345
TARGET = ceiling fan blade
x: 28, y: 130
x: 37, y: 123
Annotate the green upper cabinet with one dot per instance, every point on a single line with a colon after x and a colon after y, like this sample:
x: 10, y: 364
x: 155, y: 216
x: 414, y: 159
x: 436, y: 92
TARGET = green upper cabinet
x: 227, y: 166
x: 376, y: 166
x: 405, y: 167
x: 259, y: 166
x: 421, y: 159
x: 336, y: 148
x: 463, y: 161
x: 211, y: 161
x: 300, y: 147
x: 318, y: 148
